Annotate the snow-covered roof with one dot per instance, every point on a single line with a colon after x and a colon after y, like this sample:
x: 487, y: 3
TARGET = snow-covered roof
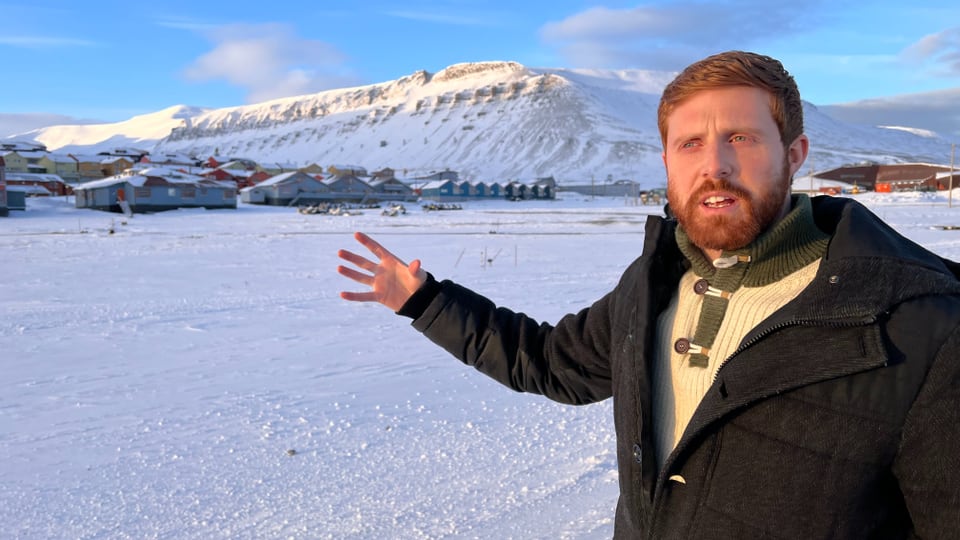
x: 273, y: 180
x: 138, y: 178
x: 61, y: 158
x: 172, y: 157
x: 90, y: 158
x: 36, y: 154
x: 237, y: 162
x: 381, y: 181
x: 154, y: 169
x: 135, y: 180
x: 114, y: 159
x: 330, y: 180
x: 34, y: 177
x: 22, y: 146
x: 434, y: 184
x: 813, y: 182
x: 29, y: 189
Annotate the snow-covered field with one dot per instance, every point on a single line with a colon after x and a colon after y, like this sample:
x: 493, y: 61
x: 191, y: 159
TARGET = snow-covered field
x: 194, y: 374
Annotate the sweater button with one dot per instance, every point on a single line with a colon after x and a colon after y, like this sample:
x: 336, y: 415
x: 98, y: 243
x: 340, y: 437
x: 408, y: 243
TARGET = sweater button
x: 681, y: 345
x: 637, y: 453
x: 701, y: 286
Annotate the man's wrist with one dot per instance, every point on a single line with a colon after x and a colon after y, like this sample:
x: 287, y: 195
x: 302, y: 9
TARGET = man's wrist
x: 421, y: 298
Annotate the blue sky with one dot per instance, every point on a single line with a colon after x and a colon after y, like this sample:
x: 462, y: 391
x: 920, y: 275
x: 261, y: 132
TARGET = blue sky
x: 73, y: 61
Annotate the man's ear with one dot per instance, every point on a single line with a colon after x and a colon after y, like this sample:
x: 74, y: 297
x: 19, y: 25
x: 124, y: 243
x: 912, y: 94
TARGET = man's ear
x: 797, y: 152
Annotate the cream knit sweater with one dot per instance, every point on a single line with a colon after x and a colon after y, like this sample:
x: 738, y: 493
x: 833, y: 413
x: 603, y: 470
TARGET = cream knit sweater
x: 678, y: 386
x: 772, y: 271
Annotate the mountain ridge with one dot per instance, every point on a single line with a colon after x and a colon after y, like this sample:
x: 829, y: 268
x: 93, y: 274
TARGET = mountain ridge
x: 140, y: 130
x: 496, y: 120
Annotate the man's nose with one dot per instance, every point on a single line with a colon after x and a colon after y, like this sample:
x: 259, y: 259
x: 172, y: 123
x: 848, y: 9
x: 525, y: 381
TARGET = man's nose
x: 718, y: 161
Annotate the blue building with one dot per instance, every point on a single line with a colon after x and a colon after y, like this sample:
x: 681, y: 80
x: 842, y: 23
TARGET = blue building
x: 3, y: 189
x: 287, y: 189
x: 348, y: 188
x: 439, y: 189
x: 155, y: 190
x: 391, y: 189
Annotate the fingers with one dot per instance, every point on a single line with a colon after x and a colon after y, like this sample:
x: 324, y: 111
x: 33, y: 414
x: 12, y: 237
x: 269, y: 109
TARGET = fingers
x: 417, y: 271
x: 375, y: 247
x: 359, y: 261
x: 369, y: 243
x: 359, y: 277
x: 360, y: 296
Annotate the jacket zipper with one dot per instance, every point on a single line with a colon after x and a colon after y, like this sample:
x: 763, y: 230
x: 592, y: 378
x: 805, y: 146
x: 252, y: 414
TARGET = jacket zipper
x: 771, y: 329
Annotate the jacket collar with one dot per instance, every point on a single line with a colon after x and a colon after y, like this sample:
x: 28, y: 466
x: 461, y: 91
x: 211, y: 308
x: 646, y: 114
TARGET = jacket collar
x: 869, y: 267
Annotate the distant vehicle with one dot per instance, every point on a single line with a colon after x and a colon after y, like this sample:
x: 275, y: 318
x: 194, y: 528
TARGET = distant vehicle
x: 441, y: 206
x: 657, y: 196
x: 394, y: 210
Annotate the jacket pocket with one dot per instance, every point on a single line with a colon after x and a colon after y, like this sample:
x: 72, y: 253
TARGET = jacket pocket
x: 789, y: 468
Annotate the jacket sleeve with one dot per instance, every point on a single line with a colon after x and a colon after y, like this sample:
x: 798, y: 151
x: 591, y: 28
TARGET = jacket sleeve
x: 568, y: 363
x: 928, y: 462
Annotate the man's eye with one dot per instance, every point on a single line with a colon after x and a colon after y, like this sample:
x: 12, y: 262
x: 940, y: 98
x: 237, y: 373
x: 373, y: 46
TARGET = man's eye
x: 739, y: 138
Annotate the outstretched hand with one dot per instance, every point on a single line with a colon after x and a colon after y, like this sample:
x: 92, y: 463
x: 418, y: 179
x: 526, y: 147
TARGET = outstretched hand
x: 391, y: 280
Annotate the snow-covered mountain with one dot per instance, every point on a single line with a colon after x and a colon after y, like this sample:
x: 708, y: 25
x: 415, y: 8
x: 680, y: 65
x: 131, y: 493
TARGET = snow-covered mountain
x: 487, y: 120
x: 492, y: 120
x: 141, y: 131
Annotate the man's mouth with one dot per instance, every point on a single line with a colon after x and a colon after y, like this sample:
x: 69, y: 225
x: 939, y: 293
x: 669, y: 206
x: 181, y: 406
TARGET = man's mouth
x: 717, y: 201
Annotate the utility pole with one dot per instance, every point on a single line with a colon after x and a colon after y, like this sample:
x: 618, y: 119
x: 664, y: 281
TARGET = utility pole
x: 953, y: 148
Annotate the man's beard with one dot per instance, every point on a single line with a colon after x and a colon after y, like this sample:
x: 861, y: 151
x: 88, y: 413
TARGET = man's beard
x: 722, y: 232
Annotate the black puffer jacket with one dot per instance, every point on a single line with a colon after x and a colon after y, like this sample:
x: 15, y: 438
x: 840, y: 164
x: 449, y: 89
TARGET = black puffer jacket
x: 837, y: 417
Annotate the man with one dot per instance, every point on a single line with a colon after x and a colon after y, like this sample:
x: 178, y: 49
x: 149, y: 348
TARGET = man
x: 780, y: 366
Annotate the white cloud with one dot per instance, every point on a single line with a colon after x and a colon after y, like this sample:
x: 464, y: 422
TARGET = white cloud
x: 937, y: 111
x: 270, y: 61
x: 670, y: 36
x: 940, y: 50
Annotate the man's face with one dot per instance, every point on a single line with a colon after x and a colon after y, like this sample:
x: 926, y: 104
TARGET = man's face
x: 728, y: 174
